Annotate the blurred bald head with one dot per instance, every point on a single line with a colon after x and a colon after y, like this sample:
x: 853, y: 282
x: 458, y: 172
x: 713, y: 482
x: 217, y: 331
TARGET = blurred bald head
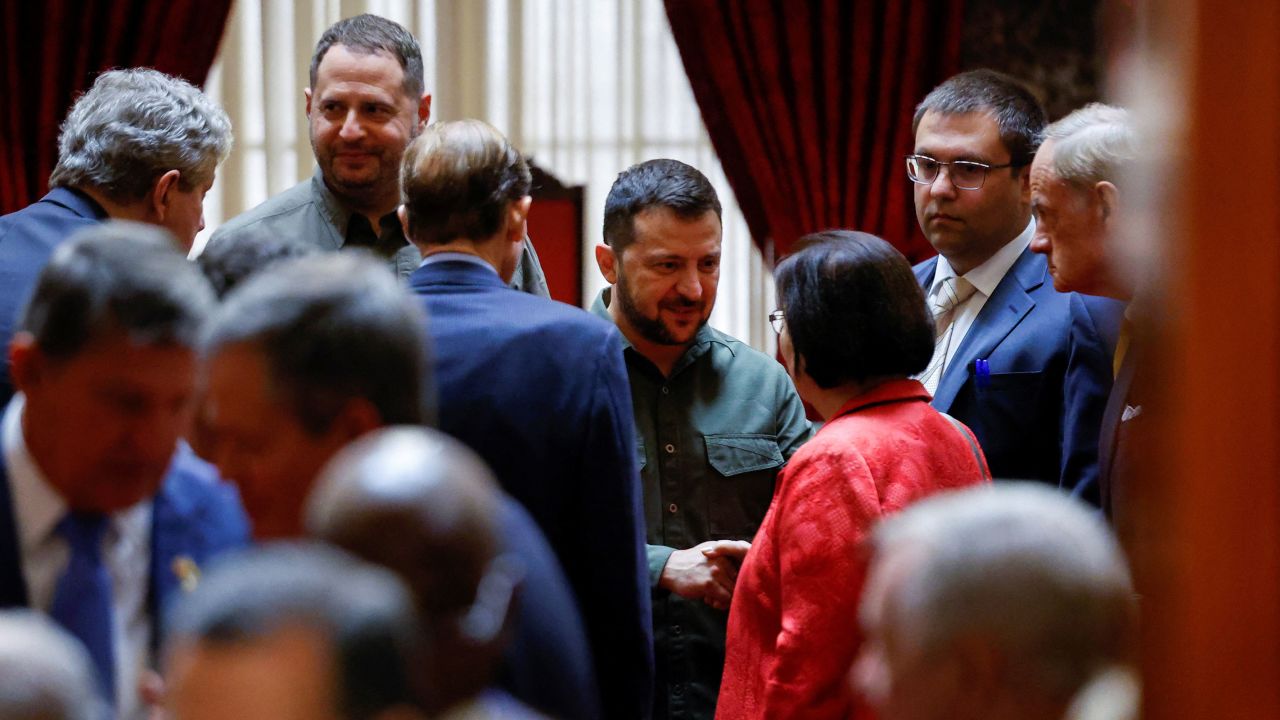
x: 423, y: 505
x: 45, y: 674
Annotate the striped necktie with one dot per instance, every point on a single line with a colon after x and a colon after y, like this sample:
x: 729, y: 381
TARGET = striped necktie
x: 953, y: 292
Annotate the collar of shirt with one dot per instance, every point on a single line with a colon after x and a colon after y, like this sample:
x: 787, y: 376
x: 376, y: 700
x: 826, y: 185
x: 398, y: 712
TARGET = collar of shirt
x: 38, y: 508
x: 988, y: 275
x: 41, y: 506
x: 702, y: 341
x: 450, y: 256
x: 340, y: 216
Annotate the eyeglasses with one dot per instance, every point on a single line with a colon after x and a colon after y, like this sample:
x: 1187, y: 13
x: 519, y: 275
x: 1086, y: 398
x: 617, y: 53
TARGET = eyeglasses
x: 778, y: 321
x: 965, y: 174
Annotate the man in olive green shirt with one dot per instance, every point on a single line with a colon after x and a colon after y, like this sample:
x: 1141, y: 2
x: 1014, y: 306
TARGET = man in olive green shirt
x: 365, y: 103
x: 715, y: 419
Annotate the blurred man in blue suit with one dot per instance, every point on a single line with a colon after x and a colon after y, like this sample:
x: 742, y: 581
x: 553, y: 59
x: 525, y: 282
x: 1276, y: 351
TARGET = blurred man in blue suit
x: 1026, y: 367
x: 105, y: 514
x: 537, y: 388
x: 139, y: 145
x: 308, y: 355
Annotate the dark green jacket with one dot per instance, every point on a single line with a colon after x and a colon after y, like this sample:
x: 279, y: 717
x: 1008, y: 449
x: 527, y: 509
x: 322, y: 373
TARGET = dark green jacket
x: 710, y: 439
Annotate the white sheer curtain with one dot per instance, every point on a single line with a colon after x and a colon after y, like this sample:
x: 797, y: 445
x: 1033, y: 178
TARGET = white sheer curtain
x: 587, y: 87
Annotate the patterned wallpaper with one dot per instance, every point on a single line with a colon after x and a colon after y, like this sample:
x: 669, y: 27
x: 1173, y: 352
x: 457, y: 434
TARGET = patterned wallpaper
x: 1052, y: 45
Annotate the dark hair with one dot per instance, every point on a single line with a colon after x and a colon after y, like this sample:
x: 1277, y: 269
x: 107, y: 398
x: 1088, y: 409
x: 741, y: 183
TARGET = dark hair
x: 457, y: 179
x: 364, y: 612
x: 332, y: 327
x: 117, y: 277
x: 655, y: 183
x: 231, y: 260
x: 1019, y: 116
x: 853, y: 309
x: 370, y: 34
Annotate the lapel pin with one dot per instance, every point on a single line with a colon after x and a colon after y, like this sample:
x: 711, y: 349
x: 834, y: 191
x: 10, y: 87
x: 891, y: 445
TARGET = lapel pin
x: 187, y: 571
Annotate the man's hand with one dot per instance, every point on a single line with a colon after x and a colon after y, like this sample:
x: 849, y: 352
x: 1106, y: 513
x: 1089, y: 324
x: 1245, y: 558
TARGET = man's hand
x: 706, y: 571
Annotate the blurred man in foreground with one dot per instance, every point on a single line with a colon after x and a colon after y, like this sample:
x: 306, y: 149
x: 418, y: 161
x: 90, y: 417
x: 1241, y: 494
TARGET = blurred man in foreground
x: 998, y: 603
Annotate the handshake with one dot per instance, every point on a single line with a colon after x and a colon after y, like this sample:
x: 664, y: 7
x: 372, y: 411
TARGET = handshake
x: 706, y: 571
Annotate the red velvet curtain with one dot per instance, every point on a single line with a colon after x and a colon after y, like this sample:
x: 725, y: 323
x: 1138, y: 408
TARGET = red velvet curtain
x: 51, y: 51
x: 809, y: 106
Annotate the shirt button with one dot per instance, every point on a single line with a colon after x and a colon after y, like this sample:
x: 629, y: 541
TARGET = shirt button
x: 666, y: 390
x: 678, y: 690
x: 670, y: 448
x: 672, y: 508
x: 675, y: 630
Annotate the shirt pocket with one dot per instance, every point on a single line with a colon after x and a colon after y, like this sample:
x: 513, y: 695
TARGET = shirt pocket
x: 745, y: 466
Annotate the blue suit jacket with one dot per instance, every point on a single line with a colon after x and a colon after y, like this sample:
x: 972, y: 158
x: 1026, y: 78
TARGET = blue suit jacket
x: 547, y: 663
x: 27, y: 239
x: 1049, y: 353
x: 195, y: 515
x: 539, y: 390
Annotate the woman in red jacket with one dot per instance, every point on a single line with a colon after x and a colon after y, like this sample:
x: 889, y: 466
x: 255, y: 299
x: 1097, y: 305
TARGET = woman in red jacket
x: 852, y: 330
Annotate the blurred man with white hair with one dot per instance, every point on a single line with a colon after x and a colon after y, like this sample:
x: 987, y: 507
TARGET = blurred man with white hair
x: 1075, y: 196
x: 995, y: 603
x: 45, y: 673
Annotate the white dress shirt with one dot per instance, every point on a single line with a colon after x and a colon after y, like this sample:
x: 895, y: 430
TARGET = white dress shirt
x: 37, y: 510
x: 984, y: 279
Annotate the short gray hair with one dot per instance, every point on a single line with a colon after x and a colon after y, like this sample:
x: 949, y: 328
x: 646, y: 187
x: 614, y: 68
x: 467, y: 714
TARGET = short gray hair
x: 1023, y: 566
x: 133, y: 126
x: 1091, y: 145
x: 45, y: 674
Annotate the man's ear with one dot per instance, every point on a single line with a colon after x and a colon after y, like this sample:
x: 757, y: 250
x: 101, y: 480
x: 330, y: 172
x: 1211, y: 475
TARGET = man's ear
x: 1108, y: 199
x: 518, y: 219
x: 1024, y: 184
x: 357, y: 417
x: 402, y: 213
x: 424, y: 110
x: 26, y: 362
x: 608, y: 262
x: 306, y: 93
x: 159, y: 198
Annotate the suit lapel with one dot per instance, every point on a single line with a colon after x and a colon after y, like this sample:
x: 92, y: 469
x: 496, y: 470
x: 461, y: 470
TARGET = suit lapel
x: 13, y: 586
x: 1002, y: 312
x: 174, y: 535
x: 1111, y: 420
x: 924, y: 274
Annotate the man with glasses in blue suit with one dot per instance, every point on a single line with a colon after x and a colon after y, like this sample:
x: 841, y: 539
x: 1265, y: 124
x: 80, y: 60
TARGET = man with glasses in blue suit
x: 1026, y: 367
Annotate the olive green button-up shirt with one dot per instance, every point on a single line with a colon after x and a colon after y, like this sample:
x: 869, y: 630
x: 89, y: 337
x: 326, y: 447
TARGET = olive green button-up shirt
x: 311, y: 212
x: 710, y: 440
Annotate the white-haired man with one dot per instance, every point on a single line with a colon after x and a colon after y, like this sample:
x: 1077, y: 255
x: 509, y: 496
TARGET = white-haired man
x: 139, y: 145
x: 995, y: 603
x: 1075, y: 196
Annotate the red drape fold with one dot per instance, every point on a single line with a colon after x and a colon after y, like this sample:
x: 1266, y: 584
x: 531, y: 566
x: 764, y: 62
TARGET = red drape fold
x: 809, y: 105
x: 50, y: 52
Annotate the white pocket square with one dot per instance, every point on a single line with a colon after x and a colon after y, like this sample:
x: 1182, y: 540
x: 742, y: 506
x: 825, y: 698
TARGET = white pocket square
x: 1130, y: 412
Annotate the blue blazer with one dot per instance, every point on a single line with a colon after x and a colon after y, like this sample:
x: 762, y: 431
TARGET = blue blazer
x: 547, y: 663
x: 1038, y: 412
x: 27, y: 239
x: 539, y: 390
x: 194, y: 516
